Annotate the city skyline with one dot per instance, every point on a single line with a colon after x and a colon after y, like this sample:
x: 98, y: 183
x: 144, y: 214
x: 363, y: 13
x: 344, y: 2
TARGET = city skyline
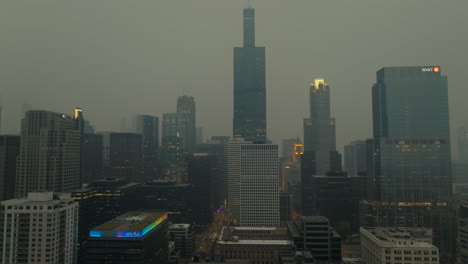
x: 141, y: 67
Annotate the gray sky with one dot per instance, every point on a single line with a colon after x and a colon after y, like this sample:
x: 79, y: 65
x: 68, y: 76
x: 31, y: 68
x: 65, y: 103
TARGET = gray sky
x: 116, y: 58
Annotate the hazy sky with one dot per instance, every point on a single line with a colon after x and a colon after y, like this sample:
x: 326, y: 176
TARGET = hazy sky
x: 116, y: 58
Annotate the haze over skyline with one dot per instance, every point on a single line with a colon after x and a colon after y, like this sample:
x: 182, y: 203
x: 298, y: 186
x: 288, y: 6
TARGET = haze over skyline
x: 115, y: 59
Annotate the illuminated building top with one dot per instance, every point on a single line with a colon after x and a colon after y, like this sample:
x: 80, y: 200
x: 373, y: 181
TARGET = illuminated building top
x: 129, y: 225
x: 319, y: 81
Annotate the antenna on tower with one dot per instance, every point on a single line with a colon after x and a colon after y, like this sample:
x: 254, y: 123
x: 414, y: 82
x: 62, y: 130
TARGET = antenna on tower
x: 250, y: 3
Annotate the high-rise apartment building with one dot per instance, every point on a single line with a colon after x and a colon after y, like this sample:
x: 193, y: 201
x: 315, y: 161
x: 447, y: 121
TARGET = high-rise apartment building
x: 9, y: 151
x: 319, y: 128
x: 40, y: 228
x: 50, y: 153
x: 412, y: 144
x: 148, y: 127
x: 249, y: 85
x: 186, y: 106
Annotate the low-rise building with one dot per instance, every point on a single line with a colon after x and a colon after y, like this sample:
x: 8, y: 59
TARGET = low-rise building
x: 257, y: 244
x: 398, y: 245
x: 134, y: 237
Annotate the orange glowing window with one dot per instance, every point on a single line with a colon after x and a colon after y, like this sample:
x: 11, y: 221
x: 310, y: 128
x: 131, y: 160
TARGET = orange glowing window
x: 436, y: 69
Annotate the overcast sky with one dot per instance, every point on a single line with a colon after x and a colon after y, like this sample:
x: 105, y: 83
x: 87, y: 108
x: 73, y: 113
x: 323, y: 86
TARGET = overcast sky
x: 117, y: 58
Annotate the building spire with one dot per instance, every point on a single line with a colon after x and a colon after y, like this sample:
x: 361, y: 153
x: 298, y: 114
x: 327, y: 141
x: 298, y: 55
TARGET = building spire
x: 249, y: 26
x: 250, y: 4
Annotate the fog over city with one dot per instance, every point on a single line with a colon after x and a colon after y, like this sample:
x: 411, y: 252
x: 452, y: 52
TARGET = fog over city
x: 117, y: 58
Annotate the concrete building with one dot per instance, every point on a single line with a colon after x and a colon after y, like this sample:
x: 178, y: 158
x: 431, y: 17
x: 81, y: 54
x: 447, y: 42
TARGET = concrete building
x: 50, y: 153
x: 9, y: 151
x: 40, y: 228
x: 314, y: 234
x: 134, y: 237
x: 257, y: 244
x: 398, y: 245
x: 183, y: 238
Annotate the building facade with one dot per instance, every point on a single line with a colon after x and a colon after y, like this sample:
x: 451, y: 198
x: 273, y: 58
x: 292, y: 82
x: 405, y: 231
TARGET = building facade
x: 398, y: 245
x: 412, y: 144
x: 148, y: 127
x: 40, y: 228
x: 249, y: 85
x: 259, y: 185
x: 174, y: 148
x: 50, y: 153
x: 355, y: 160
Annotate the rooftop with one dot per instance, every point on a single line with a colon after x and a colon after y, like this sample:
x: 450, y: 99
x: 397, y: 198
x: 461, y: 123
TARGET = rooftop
x: 400, y: 237
x: 129, y: 225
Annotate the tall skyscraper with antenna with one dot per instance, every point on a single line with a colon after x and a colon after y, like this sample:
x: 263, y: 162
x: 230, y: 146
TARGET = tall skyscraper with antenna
x: 249, y: 85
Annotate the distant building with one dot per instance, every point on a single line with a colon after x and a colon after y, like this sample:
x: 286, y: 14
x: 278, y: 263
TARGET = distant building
x: 134, y: 237
x: 319, y: 128
x: 217, y: 152
x: 183, y: 237
x: 333, y: 191
x: 286, y: 207
x: 165, y: 196
x: 148, y: 127
x: 462, y: 227
x: 40, y: 228
x: 175, y: 148
x: 201, y: 175
x: 93, y: 166
x: 186, y: 106
x: 257, y: 244
x: 314, y: 234
x: 249, y: 85
x: 200, y: 136
x: 462, y: 140
x: 9, y: 151
x: 398, y: 245
x: 356, y: 158
x: 125, y: 156
x: 50, y: 153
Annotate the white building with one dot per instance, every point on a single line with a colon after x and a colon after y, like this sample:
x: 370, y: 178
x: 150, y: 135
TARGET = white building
x: 253, y: 176
x: 398, y: 245
x: 41, y: 228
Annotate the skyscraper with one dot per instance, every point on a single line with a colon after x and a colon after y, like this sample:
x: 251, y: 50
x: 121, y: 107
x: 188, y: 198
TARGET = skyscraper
x: 319, y: 128
x: 186, y: 106
x: 249, y: 85
x: 174, y: 147
x: 50, y: 153
x: 253, y: 171
x: 412, y: 144
x: 148, y: 127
